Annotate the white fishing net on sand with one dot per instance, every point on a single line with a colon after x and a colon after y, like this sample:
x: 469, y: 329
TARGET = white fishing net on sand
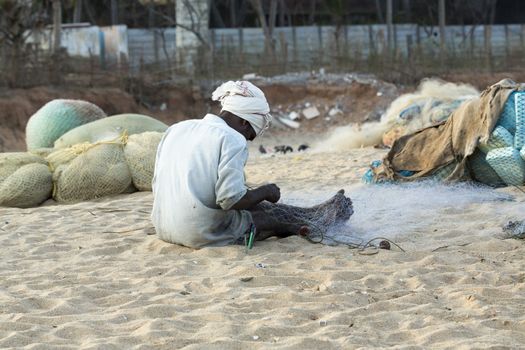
x: 395, y: 210
x: 432, y: 102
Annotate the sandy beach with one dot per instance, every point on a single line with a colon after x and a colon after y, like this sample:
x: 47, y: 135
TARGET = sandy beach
x: 93, y: 275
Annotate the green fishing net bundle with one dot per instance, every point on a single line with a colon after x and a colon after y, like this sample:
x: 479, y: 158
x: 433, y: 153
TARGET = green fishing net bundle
x: 56, y: 118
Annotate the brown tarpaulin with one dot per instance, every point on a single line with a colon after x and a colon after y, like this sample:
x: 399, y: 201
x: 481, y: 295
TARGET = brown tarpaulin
x: 429, y: 149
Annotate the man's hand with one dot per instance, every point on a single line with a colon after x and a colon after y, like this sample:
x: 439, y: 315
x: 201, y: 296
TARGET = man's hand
x: 272, y: 192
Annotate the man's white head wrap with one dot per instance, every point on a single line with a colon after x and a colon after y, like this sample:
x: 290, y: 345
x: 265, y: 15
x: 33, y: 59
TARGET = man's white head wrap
x: 246, y: 101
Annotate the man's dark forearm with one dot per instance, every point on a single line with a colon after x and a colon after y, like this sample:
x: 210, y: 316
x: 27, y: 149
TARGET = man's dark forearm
x: 250, y: 199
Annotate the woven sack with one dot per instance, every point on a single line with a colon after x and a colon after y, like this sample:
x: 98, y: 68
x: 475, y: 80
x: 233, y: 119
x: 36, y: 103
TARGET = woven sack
x: 140, y: 152
x: 25, y: 180
x: 109, y: 128
x: 88, y: 171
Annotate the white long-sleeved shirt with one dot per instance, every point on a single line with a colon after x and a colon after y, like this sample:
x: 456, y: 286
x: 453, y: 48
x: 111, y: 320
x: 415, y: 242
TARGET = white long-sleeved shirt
x: 199, y: 176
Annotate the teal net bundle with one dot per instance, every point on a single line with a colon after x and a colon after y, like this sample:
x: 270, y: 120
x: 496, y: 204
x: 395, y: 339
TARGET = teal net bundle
x: 56, y: 118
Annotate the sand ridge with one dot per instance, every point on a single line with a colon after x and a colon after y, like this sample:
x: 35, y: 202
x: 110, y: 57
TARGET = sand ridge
x: 93, y: 275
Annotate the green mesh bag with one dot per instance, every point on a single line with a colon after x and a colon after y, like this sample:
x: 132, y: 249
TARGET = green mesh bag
x: 442, y: 173
x: 109, y: 128
x: 25, y: 180
x: 88, y: 171
x: 56, y: 118
x: 140, y: 152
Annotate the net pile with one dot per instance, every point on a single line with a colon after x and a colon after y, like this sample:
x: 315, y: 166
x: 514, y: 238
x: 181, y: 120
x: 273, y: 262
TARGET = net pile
x: 109, y: 128
x: 87, y: 171
x: 93, y: 155
x: 25, y: 180
x: 56, y: 118
x: 432, y: 102
x: 504, y: 151
x: 498, y: 162
x: 140, y: 151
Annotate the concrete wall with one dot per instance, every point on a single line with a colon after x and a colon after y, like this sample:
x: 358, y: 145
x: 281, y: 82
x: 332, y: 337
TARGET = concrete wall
x: 118, y: 44
x: 147, y: 46
x: 109, y: 45
x: 364, y: 39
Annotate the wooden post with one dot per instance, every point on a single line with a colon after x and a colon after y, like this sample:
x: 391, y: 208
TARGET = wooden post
x: 57, y: 25
x: 77, y: 15
x: 320, y: 36
x: 472, y: 41
x: 345, y: 33
x: 241, y: 41
x: 379, y: 12
x: 395, y: 39
x: 409, y: 48
x: 294, y: 43
x: 488, y: 46
x: 522, y: 37
x: 389, y: 24
x: 156, y: 46
x: 442, y: 35
x: 151, y: 15
x: 114, y: 12
x: 371, y: 44
x: 233, y: 13
x: 418, y: 39
x: 284, y: 50
x: 507, y: 44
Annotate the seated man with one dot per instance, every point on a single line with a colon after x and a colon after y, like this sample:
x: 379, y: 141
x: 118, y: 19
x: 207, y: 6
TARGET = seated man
x: 200, y: 195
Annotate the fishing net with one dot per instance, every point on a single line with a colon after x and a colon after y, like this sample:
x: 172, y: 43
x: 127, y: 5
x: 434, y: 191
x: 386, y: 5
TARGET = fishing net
x: 42, y: 152
x: 313, y: 222
x: 87, y: 171
x: 109, y: 128
x: 499, y: 138
x: 56, y: 118
x: 482, y: 171
x: 25, y: 180
x: 508, y: 164
x: 140, y: 152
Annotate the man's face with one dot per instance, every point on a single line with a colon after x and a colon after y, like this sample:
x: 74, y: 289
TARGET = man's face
x: 247, y: 130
